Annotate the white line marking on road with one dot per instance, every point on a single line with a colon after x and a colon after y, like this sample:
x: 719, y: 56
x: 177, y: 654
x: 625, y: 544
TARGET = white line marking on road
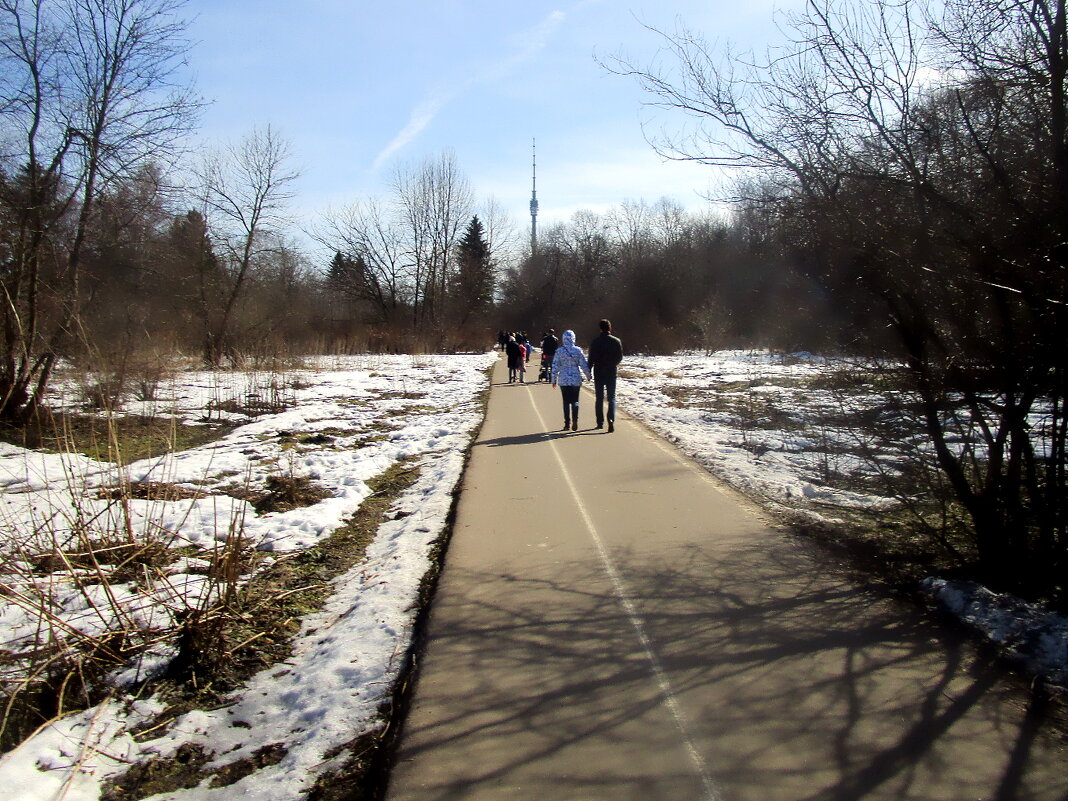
x: 636, y: 621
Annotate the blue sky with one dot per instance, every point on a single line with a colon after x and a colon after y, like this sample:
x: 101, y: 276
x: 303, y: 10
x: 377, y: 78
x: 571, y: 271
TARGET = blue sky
x: 360, y: 88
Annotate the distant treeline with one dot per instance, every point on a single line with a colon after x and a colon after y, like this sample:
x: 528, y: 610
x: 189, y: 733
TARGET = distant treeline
x: 670, y: 280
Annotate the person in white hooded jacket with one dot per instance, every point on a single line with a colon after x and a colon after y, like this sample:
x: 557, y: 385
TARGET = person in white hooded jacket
x: 569, y: 365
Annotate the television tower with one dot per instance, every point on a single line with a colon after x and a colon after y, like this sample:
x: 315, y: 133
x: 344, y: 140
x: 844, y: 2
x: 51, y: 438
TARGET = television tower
x: 534, y: 201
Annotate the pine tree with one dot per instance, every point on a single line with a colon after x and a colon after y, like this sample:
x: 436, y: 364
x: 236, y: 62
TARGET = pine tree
x: 473, y: 283
x: 339, y: 274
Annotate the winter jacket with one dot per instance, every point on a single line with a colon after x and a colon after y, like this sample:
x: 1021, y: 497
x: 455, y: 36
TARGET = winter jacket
x: 549, y: 345
x: 515, y: 353
x: 606, y: 351
x: 569, y: 363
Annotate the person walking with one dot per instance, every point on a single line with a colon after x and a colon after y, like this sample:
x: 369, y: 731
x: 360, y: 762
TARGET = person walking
x: 515, y: 353
x: 524, y: 357
x: 549, y: 344
x: 569, y: 365
x: 606, y: 352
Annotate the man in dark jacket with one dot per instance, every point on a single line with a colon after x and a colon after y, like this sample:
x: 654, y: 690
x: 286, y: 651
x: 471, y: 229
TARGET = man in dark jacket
x: 515, y: 353
x: 549, y: 344
x: 606, y: 352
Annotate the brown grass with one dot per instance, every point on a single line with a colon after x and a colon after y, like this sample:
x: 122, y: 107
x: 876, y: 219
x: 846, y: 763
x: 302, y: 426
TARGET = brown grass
x: 254, y: 635
x: 96, y: 436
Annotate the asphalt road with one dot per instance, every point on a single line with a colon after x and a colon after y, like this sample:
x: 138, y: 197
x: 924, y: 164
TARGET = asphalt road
x: 613, y: 624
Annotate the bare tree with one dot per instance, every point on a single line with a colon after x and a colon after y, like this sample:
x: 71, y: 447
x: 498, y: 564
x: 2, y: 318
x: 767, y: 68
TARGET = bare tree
x: 631, y: 226
x: 91, y: 90
x: 373, y: 269
x: 246, y: 191
x: 435, y: 202
x: 502, y: 235
x: 918, y: 166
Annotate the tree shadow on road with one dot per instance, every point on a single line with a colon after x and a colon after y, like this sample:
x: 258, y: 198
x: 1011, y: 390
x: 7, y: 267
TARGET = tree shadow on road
x: 795, y: 684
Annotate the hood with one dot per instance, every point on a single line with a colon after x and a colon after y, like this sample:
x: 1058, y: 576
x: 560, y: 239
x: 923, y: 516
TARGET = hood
x: 568, y: 338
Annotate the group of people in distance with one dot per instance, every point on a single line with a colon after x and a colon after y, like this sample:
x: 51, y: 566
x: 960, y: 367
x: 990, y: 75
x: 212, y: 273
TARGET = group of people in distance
x: 568, y: 365
x: 518, y: 348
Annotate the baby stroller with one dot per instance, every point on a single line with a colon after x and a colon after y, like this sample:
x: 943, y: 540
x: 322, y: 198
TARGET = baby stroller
x: 545, y: 374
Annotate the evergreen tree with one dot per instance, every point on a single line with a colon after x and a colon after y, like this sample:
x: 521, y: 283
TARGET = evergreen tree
x: 339, y: 272
x: 193, y: 278
x: 473, y: 284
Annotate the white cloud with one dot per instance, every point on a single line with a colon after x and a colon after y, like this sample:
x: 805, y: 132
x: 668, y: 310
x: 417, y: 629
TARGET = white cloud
x: 422, y: 115
x: 531, y: 41
x: 527, y: 44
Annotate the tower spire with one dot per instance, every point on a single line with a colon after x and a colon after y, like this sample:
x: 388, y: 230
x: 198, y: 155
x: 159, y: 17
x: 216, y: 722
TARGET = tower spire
x: 534, y: 199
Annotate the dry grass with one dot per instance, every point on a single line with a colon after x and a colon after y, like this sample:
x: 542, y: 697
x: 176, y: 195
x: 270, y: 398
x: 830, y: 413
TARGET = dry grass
x: 117, y: 439
x: 224, y: 646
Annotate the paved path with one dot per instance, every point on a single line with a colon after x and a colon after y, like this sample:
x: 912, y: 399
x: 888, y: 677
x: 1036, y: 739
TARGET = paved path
x: 612, y: 624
